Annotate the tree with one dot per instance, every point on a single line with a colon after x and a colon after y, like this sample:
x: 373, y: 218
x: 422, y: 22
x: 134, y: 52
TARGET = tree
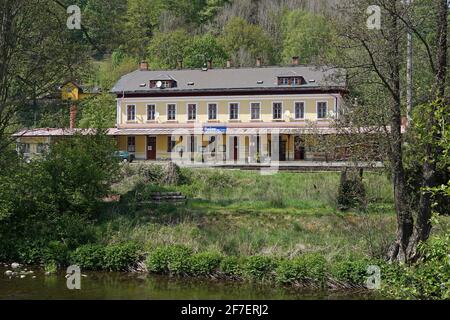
x: 202, y: 49
x: 244, y: 42
x: 99, y: 112
x: 166, y: 49
x: 305, y: 35
x: 35, y: 56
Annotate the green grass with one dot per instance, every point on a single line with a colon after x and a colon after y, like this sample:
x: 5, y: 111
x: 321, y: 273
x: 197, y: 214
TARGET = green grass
x: 244, y: 213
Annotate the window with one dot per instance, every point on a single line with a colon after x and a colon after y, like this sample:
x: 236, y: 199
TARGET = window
x: 234, y: 111
x: 41, y: 148
x: 192, y: 111
x: 131, y: 113
x: 151, y: 110
x: 131, y: 144
x: 299, y: 110
x: 24, y: 148
x: 277, y: 111
x: 291, y: 81
x: 212, y: 111
x: 322, y: 110
x: 170, y: 144
x: 171, y: 112
x: 255, y: 110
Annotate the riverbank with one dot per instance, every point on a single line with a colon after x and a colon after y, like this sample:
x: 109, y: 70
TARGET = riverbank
x: 285, y: 229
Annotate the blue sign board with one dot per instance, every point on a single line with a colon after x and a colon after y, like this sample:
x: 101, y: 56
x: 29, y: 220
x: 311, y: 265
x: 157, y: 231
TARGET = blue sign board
x: 215, y: 130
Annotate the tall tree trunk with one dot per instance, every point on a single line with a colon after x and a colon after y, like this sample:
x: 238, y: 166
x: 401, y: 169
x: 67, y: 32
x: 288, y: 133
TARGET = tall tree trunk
x: 429, y: 172
x: 405, y: 221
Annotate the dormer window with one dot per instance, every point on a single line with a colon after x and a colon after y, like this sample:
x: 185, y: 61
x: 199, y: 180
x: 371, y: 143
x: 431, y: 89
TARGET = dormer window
x: 291, y: 81
x: 163, y: 84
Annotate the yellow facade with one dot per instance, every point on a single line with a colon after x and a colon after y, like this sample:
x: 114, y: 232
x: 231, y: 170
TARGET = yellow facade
x: 71, y: 92
x: 223, y: 106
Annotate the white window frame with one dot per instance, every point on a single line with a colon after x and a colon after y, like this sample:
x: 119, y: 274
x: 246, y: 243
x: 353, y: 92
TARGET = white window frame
x: 282, y: 109
x: 304, y: 110
x: 176, y: 111
x: 217, y: 110
x: 154, y: 112
x: 134, y: 113
x: 251, y: 113
x: 196, y: 111
x: 317, y: 109
x: 238, y: 111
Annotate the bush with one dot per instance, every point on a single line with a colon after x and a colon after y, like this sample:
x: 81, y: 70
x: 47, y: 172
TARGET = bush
x: 205, y: 263
x: 302, y: 270
x: 89, y: 257
x: 351, y: 271
x: 259, y: 267
x: 231, y: 266
x: 119, y: 257
x: 56, y: 251
x: 352, y: 192
x: 172, y: 259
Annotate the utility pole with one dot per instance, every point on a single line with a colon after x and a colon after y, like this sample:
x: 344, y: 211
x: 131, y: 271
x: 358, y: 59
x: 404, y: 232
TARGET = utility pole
x: 409, y: 73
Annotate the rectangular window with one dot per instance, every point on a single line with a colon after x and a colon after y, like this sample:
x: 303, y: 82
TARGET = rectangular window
x: 255, y: 111
x: 131, y: 144
x: 212, y: 111
x: 192, y: 111
x: 25, y: 148
x: 322, y: 110
x: 170, y: 144
x: 299, y: 110
x: 41, y: 148
x: 151, y: 110
x: 234, y: 111
x: 171, y: 112
x: 131, y: 113
x: 277, y: 111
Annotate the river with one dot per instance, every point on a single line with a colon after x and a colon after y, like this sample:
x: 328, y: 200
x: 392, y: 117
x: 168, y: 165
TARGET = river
x: 131, y: 286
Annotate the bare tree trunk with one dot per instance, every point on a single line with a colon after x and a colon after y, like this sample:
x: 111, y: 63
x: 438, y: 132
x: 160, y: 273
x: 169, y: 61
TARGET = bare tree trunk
x: 429, y: 171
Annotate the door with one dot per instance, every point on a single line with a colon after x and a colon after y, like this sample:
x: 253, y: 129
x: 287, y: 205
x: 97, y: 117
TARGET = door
x: 235, y: 148
x: 282, y: 150
x: 299, y: 149
x: 151, y: 148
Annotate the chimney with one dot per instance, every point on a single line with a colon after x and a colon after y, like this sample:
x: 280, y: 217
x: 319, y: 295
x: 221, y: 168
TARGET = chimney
x: 180, y: 64
x: 258, y: 62
x: 143, y: 66
x: 295, y: 61
x: 73, y: 116
x: 228, y: 63
x: 209, y: 64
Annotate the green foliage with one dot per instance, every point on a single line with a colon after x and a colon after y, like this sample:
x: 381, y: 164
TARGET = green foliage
x: 89, y: 257
x: 429, y: 278
x: 259, y: 267
x: 353, y: 271
x: 205, y: 263
x: 115, y: 257
x: 51, y: 267
x: 231, y: 266
x: 306, y: 35
x: 244, y: 42
x: 167, y: 48
x: 99, y: 112
x: 352, y: 193
x: 173, y: 259
x: 304, y: 269
x: 203, y: 48
x: 118, y: 257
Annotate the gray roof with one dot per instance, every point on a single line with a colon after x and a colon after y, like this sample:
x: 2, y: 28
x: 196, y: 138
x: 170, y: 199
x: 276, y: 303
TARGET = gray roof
x: 231, y: 79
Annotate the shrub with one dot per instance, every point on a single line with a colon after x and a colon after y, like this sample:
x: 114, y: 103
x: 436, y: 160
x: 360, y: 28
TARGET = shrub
x: 119, y: 257
x: 171, y: 259
x: 205, y: 263
x: 304, y: 269
x: 56, y: 251
x: 351, y: 271
x: 259, y: 267
x: 352, y: 192
x: 231, y: 266
x: 89, y: 257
